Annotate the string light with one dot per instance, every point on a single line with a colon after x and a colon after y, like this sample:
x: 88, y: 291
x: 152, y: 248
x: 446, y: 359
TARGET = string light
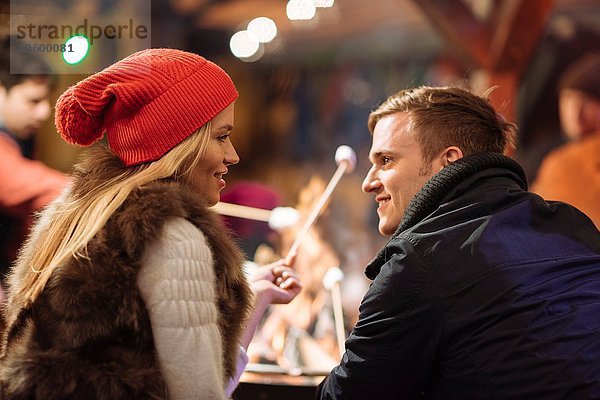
x: 247, y: 43
x: 264, y: 28
x: 301, y: 9
x: 244, y: 44
x: 324, y: 3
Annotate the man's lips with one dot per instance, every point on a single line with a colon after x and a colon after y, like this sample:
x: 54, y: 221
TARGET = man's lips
x: 381, y: 200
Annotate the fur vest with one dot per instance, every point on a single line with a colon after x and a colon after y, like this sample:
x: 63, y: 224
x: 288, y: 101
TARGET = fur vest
x: 88, y: 334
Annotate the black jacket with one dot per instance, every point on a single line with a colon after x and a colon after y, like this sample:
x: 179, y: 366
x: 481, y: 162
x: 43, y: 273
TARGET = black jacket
x: 485, y: 291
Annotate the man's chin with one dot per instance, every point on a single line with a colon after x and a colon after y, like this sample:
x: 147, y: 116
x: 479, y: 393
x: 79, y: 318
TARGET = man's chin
x: 387, y: 226
x: 385, y: 231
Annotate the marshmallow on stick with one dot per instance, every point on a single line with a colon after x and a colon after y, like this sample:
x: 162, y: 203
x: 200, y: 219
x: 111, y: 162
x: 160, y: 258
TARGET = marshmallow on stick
x: 277, y: 218
x: 332, y: 282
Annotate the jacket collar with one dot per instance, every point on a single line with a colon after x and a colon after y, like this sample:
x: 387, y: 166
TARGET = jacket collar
x: 25, y: 146
x: 4, y: 132
x: 451, y: 181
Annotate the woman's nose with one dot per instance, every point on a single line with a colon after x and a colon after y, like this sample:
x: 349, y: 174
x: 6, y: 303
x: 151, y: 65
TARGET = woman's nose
x: 231, y: 156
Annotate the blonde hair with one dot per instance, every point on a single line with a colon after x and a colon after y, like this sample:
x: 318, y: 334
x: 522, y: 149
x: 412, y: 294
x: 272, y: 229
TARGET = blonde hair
x: 76, y: 218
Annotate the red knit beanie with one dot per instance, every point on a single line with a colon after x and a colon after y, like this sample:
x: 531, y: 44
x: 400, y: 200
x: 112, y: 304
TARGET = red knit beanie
x: 146, y: 103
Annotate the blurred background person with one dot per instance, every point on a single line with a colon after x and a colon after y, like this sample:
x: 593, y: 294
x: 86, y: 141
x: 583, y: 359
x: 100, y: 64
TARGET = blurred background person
x: 579, y: 98
x: 571, y: 173
x: 25, y: 184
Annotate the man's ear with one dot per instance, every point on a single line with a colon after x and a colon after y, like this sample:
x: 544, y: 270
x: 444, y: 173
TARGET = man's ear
x: 451, y: 154
x: 448, y: 156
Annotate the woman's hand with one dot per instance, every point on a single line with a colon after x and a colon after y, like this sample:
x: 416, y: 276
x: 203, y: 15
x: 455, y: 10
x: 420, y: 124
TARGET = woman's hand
x: 275, y: 283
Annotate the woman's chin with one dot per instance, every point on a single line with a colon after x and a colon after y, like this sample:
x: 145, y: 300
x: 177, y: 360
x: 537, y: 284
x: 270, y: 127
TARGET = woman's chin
x: 209, y: 201
x: 213, y: 200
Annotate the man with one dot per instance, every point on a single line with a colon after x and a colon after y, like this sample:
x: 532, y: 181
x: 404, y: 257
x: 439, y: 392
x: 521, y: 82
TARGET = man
x: 25, y: 185
x: 571, y: 173
x: 485, y: 290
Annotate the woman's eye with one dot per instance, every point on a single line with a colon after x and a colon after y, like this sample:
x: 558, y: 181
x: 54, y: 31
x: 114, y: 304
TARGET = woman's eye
x: 223, y: 138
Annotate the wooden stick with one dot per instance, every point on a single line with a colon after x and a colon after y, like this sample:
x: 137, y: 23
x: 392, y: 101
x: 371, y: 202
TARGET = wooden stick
x: 338, y: 317
x: 236, y: 210
x: 318, y: 208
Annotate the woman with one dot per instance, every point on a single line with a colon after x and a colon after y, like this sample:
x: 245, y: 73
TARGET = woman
x: 129, y: 287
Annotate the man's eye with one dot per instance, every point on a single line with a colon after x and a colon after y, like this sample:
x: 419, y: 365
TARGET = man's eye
x: 385, y: 160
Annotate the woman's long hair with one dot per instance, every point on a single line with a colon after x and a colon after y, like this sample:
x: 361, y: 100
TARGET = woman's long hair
x: 70, y: 222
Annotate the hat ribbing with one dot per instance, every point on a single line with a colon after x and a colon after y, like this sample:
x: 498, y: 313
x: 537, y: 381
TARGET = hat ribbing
x: 146, y: 103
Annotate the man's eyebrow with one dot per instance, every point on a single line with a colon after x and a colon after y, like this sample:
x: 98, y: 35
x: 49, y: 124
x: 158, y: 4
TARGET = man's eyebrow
x: 375, y: 156
x: 380, y: 153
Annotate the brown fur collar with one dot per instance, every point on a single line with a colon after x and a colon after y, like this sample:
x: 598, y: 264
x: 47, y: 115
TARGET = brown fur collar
x: 88, y: 334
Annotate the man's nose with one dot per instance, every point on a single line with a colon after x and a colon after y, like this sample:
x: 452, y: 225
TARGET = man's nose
x: 371, y: 183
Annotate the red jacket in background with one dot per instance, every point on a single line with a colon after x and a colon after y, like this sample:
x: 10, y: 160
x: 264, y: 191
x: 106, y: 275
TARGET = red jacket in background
x: 25, y: 186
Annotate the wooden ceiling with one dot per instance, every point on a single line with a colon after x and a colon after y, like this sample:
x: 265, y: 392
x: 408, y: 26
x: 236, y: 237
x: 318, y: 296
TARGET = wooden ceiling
x: 347, y: 19
x: 494, y: 36
x: 479, y: 30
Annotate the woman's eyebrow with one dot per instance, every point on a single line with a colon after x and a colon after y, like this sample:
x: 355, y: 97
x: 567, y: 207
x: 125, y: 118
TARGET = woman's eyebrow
x: 227, y: 127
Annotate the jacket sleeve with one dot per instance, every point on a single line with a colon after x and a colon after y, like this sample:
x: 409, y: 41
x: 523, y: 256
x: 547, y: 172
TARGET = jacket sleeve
x: 26, y: 182
x: 390, y: 352
x: 177, y: 285
x: 241, y: 363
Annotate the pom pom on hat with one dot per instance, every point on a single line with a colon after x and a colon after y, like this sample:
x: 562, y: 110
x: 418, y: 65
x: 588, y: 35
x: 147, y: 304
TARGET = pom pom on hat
x: 74, y: 124
x: 146, y: 103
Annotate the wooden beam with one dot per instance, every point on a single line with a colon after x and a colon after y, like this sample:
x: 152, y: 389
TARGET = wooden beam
x: 501, y: 47
x: 517, y: 31
x: 468, y: 36
x: 504, y: 96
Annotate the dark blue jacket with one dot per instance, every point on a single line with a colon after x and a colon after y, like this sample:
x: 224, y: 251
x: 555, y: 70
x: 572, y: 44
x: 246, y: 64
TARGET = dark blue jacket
x: 485, y: 291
